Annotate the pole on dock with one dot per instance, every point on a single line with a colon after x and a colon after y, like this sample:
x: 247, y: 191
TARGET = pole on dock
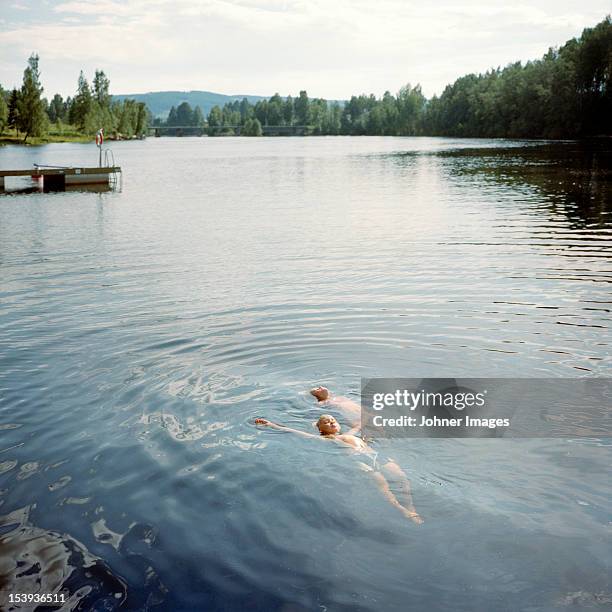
x: 99, y: 141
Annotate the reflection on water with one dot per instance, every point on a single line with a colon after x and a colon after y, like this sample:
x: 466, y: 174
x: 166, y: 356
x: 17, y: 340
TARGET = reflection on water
x: 574, y: 179
x: 32, y: 187
x: 142, y: 331
x: 39, y: 561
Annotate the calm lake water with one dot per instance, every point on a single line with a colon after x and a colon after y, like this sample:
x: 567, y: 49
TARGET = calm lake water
x: 142, y: 331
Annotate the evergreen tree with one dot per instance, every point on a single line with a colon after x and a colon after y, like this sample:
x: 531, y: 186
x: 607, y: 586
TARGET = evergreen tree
x: 100, y: 114
x: 32, y: 119
x: 81, y: 104
x: 198, y: 117
x: 13, y: 109
x: 56, y: 109
x: 288, y: 111
x: 172, y: 117
x: 261, y: 111
x: 3, y: 110
x: 246, y: 110
x: 101, y: 85
x: 302, y: 106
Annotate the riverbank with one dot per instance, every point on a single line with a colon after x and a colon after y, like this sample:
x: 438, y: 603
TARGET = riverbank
x: 56, y: 138
x: 53, y: 136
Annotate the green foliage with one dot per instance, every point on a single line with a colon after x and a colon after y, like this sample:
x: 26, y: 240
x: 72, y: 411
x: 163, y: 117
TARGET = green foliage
x: 31, y: 118
x: 198, y: 117
x: 215, y: 120
x: 81, y: 105
x: 252, y: 127
x: 3, y: 110
x: 288, y: 111
x: 410, y: 107
x: 131, y: 117
x: 301, y: 107
x: 566, y: 94
x: 13, y: 110
x: 26, y: 111
x: 91, y: 110
x: 275, y: 110
x: 593, y: 65
x: 221, y: 121
x: 101, y: 85
x: 246, y: 110
x: 57, y: 109
x: 185, y: 116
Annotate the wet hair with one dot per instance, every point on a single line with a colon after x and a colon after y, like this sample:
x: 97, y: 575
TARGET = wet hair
x: 323, y: 416
x: 320, y: 389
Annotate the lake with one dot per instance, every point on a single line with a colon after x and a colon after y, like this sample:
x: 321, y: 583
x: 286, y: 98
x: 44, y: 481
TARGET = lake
x: 143, y: 330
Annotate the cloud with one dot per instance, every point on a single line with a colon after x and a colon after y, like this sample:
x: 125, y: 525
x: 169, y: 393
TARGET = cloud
x: 93, y: 8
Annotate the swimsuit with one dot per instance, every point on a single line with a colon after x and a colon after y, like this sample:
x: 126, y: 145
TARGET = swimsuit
x: 373, y: 455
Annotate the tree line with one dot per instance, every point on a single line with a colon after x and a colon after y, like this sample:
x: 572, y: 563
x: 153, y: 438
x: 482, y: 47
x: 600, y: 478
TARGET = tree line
x: 361, y: 115
x: 566, y: 94
x: 26, y: 112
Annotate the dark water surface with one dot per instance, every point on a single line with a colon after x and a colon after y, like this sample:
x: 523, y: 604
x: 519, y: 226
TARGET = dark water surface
x: 142, y: 331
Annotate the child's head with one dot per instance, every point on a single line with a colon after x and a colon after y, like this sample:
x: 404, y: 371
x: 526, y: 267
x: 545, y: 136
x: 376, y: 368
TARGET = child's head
x: 321, y: 393
x: 328, y: 425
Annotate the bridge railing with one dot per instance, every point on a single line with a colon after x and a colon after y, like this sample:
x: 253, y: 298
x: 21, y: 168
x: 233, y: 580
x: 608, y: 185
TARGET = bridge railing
x: 191, y: 130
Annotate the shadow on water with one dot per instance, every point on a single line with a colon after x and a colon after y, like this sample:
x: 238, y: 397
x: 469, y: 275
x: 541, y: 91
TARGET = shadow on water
x: 574, y: 179
x: 67, y: 188
x: 36, y: 560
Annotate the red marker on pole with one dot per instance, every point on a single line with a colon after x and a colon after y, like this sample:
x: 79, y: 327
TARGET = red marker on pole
x: 99, y: 141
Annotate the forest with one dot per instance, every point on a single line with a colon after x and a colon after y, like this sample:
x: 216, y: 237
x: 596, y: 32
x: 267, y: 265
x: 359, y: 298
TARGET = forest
x: 565, y: 94
x: 26, y: 114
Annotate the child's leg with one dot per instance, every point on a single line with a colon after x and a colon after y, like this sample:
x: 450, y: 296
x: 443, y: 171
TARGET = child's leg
x: 383, y: 485
x: 396, y: 473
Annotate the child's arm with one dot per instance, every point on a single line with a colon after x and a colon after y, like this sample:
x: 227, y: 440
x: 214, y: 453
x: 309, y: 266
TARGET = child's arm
x: 284, y: 428
x: 350, y: 409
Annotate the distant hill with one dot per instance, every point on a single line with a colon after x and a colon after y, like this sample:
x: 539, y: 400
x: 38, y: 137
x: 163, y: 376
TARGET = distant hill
x: 160, y: 102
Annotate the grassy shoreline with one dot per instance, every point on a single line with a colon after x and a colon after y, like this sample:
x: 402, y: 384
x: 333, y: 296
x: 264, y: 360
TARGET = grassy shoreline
x: 8, y: 139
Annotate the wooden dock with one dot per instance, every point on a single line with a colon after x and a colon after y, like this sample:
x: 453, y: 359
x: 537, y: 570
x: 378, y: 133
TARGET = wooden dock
x: 56, y: 178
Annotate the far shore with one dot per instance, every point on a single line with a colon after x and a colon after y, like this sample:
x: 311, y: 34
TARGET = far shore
x: 51, y: 138
x: 36, y: 141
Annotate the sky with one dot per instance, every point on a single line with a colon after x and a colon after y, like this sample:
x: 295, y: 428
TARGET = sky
x: 331, y: 48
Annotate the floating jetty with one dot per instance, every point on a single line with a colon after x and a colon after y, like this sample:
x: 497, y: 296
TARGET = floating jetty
x: 56, y: 178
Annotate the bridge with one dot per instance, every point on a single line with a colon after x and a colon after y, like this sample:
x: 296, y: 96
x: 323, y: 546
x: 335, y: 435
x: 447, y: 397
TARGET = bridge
x: 192, y: 130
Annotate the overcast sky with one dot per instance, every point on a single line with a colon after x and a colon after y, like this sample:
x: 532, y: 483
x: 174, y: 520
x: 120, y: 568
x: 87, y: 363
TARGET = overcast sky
x: 331, y: 48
